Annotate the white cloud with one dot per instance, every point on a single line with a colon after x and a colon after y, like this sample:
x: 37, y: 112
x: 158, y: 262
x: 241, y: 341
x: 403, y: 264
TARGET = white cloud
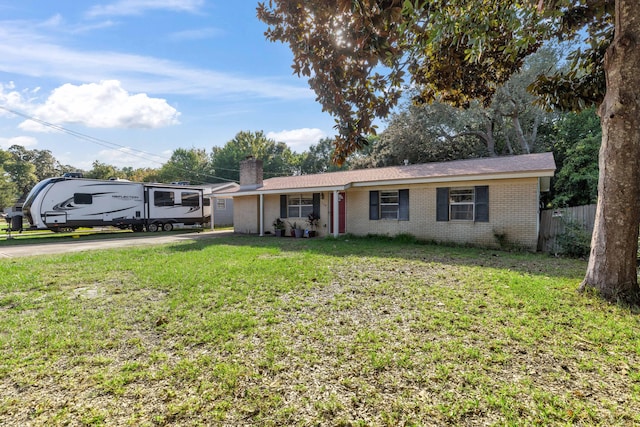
x: 10, y: 98
x: 57, y: 23
x: 25, y: 141
x: 24, y: 51
x: 101, y: 105
x: 298, y: 139
x: 137, y: 7
x: 197, y: 34
x: 78, y: 29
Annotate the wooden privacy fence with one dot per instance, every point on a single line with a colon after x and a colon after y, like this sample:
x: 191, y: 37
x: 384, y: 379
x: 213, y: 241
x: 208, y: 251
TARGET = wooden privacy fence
x: 553, y: 221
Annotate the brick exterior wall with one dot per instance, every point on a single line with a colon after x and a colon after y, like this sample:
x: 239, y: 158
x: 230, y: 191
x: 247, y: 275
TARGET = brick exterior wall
x: 513, y: 212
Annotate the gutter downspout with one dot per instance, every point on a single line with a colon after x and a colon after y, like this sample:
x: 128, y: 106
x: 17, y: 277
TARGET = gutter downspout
x: 261, y: 214
x: 336, y: 213
x: 212, y: 205
x: 539, y: 211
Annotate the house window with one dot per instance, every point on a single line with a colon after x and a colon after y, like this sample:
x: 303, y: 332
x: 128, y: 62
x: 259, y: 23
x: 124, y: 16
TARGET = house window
x: 190, y: 199
x: 463, y: 204
x: 82, y: 198
x: 389, y: 204
x: 163, y: 198
x: 221, y: 204
x: 299, y: 205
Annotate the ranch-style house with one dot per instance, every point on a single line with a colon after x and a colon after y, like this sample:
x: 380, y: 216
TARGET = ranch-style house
x: 483, y: 202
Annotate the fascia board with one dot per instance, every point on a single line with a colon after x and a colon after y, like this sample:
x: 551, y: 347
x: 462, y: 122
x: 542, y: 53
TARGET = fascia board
x: 408, y: 181
x: 450, y: 179
x: 292, y: 190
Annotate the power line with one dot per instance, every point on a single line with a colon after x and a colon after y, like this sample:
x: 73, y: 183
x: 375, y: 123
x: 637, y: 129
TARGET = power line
x: 107, y: 144
x: 128, y: 150
x: 85, y: 137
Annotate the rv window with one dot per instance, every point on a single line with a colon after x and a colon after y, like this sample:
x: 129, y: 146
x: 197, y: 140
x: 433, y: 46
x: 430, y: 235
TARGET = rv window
x: 163, y: 198
x: 82, y: 199
x: 190, y: 199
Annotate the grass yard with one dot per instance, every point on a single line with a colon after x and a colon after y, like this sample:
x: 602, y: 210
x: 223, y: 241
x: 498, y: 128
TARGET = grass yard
x: 350, y: 332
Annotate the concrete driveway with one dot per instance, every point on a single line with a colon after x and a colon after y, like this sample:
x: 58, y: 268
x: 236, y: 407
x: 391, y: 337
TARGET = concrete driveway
x: 118, y: 241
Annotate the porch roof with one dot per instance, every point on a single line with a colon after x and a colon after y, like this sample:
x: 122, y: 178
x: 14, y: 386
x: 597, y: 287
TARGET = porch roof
x: 521, y: 166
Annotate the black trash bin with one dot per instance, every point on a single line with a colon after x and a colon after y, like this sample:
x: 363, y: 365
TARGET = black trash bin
x: 16, y: 223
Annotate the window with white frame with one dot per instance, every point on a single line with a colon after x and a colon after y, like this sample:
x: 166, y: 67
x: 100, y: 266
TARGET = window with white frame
x: 389, y: 204
x: 299, y: 205
x: 221, y: 204
x: 461, y: 203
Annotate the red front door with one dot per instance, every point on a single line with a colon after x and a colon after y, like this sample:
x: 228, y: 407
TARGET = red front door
x: 342, y: 210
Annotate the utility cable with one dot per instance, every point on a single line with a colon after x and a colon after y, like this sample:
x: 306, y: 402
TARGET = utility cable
x: 105, y: 143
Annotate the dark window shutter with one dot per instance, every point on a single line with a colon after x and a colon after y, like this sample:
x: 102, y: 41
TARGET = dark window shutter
x: 403, y: 207
x: 283, y: 206
x: 374, y: 210
x: 482, y: 203
x: 316, y: 205
x: 442, y: 204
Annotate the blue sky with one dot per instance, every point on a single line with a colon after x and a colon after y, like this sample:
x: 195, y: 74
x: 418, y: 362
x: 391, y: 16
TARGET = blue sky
x: 144, y: 77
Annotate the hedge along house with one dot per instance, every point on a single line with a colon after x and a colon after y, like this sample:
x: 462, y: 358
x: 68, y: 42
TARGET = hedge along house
x: 483, y: 202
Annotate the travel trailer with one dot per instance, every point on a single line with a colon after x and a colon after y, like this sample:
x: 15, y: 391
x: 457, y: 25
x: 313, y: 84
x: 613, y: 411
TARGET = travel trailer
x: 66, y: 203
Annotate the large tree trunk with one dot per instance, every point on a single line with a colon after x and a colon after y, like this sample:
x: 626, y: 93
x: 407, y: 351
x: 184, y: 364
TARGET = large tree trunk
x: 515, y: 119
x: 534, y: 133
x: 491, y: 141
x: 612, y: 267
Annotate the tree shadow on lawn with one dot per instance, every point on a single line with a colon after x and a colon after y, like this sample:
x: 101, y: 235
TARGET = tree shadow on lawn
x: 388, y: 247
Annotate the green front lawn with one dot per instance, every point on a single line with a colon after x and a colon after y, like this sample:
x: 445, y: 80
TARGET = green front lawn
x: 349, y: 332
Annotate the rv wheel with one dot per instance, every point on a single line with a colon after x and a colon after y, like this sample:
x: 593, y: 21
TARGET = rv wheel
x: 167, y: 227
x: 152, y: 227
x: 137, y: 228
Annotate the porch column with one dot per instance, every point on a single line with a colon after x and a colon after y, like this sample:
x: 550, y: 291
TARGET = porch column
x: 212, y: 205
x: 336, y: 214
x: 261, y: 214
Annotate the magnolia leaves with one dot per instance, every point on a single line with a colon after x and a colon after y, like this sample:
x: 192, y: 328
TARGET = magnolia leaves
x: 360, y: 55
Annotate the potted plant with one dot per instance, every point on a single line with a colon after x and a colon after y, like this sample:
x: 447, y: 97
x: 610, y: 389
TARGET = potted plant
x: 279, y: 227
x: 312, y: 220
x: 296, y: 230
